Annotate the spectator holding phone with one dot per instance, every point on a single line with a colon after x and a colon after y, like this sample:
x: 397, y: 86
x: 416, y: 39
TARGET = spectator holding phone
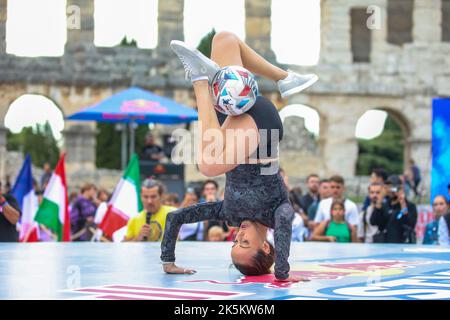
x: 378, y: 175
x: 396, y: 218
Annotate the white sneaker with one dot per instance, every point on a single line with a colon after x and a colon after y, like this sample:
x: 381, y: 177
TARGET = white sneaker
x: 295, y: 83
x: 197, y: 66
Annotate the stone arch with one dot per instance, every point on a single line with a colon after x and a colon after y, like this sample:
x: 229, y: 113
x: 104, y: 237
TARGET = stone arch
x: 10, y: 161
x: 8, y: 99
x: 405, y: 125
x: 301, y: 149
x: 41, y: 96
x: 79, y: 137
x: 33, y: 109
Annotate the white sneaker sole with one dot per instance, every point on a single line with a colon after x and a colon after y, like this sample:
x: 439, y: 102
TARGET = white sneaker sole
x: 300, y: 88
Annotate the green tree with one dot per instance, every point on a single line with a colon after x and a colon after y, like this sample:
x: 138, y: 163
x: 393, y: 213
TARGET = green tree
x: 128, y: 43
x: 385, y: 151
x: 109, y: 141
x: 38, y: 141
x: 205, y: 43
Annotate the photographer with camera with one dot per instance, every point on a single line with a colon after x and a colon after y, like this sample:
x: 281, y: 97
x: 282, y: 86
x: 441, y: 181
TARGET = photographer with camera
x: 394, y: 215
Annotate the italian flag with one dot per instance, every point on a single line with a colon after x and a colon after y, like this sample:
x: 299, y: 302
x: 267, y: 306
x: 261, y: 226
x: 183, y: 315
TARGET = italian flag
x: 54, y: 209
x: 125, y: 202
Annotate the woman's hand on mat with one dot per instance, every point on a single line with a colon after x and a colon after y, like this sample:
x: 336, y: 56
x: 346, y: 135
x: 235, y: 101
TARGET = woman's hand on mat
x: 173, y: 269
x: 331, y: 239
x: 292, y: 278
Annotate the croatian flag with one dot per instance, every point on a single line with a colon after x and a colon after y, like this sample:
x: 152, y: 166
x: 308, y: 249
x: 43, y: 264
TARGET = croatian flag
x: 24, y: 193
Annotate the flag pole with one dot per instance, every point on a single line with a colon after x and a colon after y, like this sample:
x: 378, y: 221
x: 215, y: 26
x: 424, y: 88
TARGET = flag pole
x: 132, y: 137
x: 124, y: 145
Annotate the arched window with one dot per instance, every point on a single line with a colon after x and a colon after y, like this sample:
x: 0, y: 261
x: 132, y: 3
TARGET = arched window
x: 400, y: 21
x: 30, y: 110
x: 361, y: 36
x: 381, y: 142
x: 446, y: 20
x: 36, y: 28
x: 310, y: 116
x: 35, y: 124
x: 201, y: 16
x: 296, y: 31
x: 300, y: 129
x: 133, y: 19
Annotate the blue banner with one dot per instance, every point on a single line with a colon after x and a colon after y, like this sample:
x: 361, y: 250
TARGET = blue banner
x: 440, y: 176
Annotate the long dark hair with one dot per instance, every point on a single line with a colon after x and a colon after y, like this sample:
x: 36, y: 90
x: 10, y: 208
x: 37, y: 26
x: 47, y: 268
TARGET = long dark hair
x: 261, y: 263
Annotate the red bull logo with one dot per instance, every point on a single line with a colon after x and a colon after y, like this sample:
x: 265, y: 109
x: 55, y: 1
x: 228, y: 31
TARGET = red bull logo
x: 330, y: 271
x: 142, y: 105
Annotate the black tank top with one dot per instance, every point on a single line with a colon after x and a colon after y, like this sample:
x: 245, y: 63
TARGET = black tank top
x: 266, y: 116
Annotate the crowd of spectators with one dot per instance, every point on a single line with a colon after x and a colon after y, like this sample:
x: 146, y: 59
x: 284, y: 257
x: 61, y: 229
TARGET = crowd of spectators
x: 323, y: 212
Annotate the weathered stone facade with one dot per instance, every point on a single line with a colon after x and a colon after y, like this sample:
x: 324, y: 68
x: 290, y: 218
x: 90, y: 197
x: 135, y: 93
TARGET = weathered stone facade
x: 399, y: 79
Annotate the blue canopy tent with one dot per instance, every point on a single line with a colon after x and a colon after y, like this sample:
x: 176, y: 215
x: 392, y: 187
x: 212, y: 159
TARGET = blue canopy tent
x: 136, y: 106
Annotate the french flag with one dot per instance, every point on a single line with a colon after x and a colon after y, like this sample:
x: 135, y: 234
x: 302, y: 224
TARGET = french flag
x: 24, y: 193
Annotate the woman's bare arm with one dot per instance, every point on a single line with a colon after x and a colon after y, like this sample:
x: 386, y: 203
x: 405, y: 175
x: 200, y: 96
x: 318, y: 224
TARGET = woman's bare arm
x: 218, y: 153
x: 354, y: 234
x: 319, y: 233
x: 11, y: 214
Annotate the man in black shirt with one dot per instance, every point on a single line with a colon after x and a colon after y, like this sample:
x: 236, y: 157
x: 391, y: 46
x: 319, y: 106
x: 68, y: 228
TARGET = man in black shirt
x: 312, y: 182
x: 9, y: 216
x: 151, y: 151
x: 394, y: 215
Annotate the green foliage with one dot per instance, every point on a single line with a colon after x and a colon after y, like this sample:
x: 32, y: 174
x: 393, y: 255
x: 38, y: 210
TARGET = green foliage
x: 125, y: 43
x: 108, y: 146
x: 38, y: 141
x: 205, y: 43
x: 385, y: 151
x: 109, y: 140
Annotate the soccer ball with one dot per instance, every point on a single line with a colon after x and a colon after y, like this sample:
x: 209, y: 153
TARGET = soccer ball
x: 234, y: 90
